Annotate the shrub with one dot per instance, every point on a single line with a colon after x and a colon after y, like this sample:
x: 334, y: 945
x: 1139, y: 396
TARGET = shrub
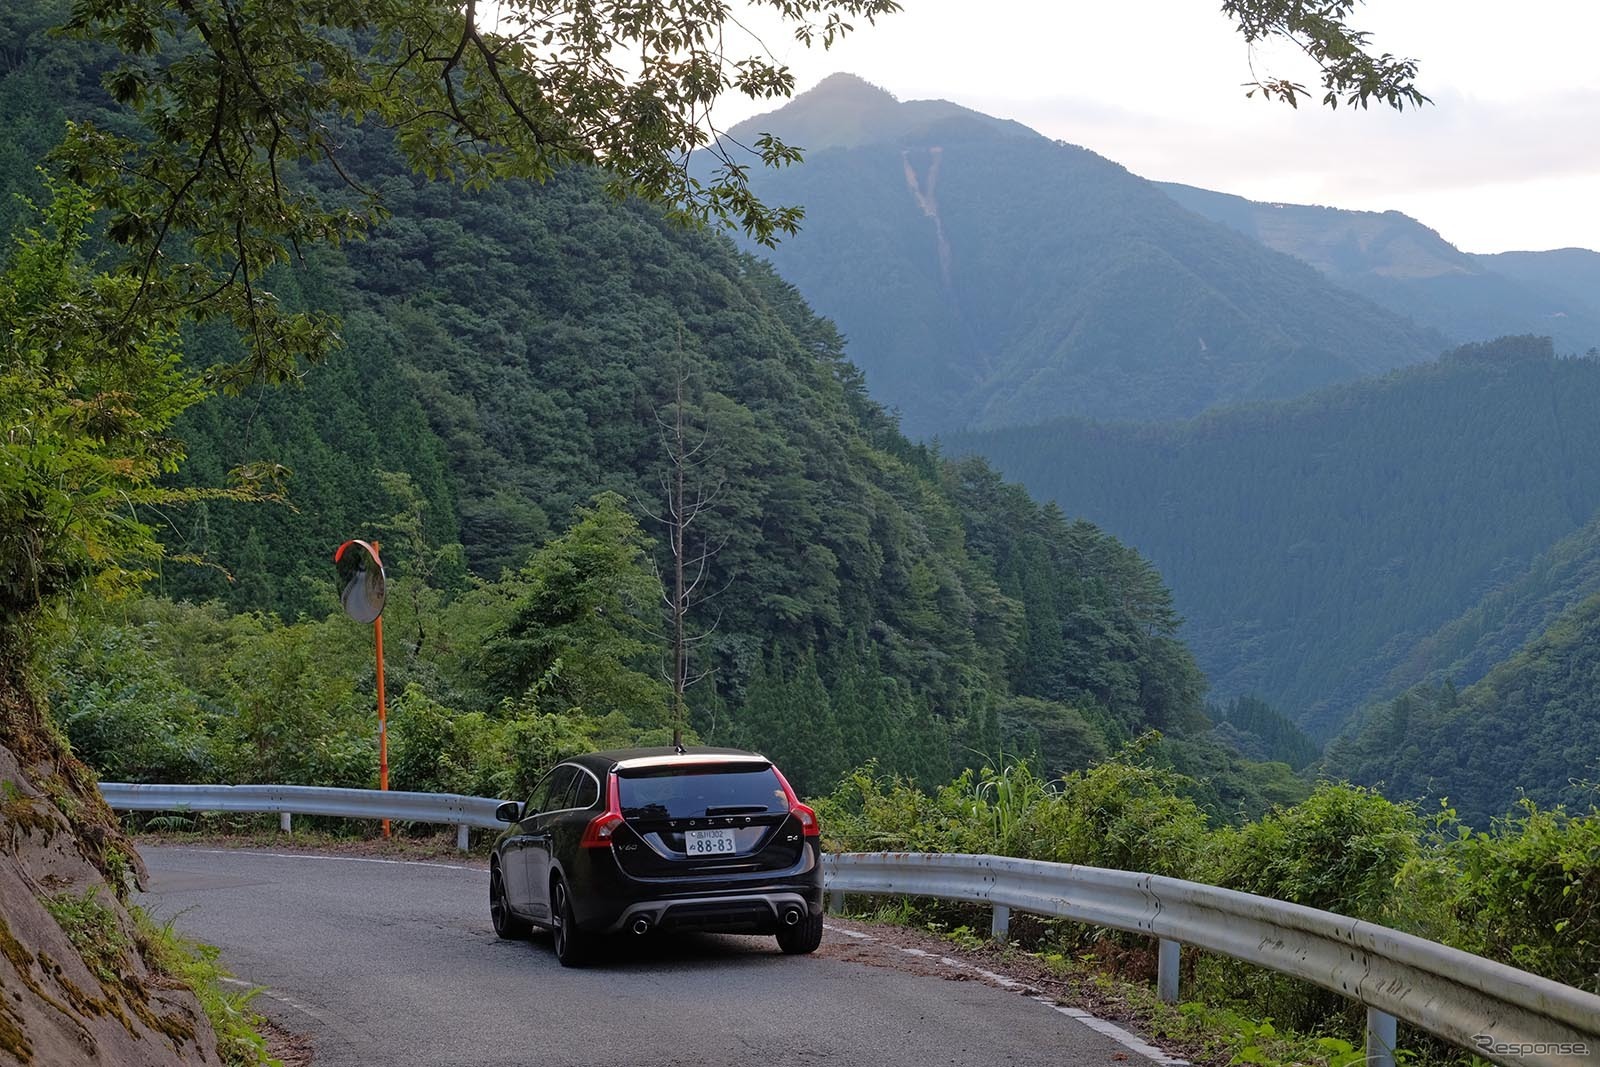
x: 1528, y: 892
x: 1340, y: 850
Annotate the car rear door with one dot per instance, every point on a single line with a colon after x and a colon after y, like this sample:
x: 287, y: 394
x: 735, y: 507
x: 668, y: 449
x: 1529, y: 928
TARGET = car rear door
x: 536, y: 853
x: 514, y: 852
x: 707, y: 820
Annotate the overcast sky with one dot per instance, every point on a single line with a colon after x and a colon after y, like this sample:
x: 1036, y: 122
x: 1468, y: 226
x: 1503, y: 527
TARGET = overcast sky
x: 1507, y: 156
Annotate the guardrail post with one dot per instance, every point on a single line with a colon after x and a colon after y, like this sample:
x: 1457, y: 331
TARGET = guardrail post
x: 836, y: 902
x: 461, y: 836
x: 1168, y: 956
x: 285, y: 822
x: 1381, y: 1037
x: 1000, y: 925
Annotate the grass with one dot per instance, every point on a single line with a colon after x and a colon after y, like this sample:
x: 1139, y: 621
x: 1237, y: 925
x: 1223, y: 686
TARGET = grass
x: 237, y: 1025
x: 94, y: 931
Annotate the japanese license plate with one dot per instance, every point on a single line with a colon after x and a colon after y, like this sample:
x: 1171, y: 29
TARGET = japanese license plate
x: 709, y: 843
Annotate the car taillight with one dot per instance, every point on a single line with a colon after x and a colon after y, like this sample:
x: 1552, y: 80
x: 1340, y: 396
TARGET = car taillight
x: 602, y: 827
x: 598, y: 833
x: 808, y: 818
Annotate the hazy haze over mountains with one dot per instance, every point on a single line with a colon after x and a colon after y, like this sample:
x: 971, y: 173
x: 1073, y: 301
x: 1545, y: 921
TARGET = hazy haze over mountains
x: 1410, y: 269
x: 985, y: 275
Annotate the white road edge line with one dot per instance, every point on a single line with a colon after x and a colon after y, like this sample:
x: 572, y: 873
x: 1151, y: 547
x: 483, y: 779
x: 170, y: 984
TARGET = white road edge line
x: 331, y: 1025
x: 1093, y: 1022
x: 315, y: 856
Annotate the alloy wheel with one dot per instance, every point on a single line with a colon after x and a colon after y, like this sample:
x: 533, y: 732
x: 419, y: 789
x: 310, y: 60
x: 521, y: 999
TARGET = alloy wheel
x: 497, y: 902
x: 558, y: 917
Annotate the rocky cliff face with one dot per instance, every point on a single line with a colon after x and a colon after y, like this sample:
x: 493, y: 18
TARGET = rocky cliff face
x: 76, y: 986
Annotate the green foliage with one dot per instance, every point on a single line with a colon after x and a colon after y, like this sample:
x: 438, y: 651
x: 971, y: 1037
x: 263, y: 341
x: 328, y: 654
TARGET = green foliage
x: 1341, y: 850
x: 1123, y: 812
x: 84, y: 428
x: 1519, y: 892
x: 436, y: 749
x: 206, y: 194
x: 94, y: 931
x: 1526, y: 892
x: 1348, y: 70
x: 589, y: 594
x: 1312, y: 543
x: 1525, y: 727
x: 128, y: 713
x: 1261, y: 732
x: 1057, y: 737
x: 167, y: 688
x: 239, y: 1041
x: 1230, y: 787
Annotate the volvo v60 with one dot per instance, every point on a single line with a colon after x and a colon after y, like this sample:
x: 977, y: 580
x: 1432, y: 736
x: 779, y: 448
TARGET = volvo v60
x: 641, y: 840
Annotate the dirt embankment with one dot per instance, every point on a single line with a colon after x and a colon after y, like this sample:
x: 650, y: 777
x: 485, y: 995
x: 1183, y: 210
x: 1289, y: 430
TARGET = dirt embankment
x: 75, y: 987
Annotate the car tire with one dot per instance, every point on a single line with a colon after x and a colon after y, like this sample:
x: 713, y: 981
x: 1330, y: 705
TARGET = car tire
x: 506, y: 924
x: 573, y: 946
x: 801, y: 938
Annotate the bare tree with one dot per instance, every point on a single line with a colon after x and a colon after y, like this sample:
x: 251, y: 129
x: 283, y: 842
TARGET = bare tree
x: 690, y: 487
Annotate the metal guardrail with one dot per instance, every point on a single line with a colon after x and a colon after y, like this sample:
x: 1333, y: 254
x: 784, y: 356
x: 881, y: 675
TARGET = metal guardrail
x: 462, y: 812
x: 1498, y: 1012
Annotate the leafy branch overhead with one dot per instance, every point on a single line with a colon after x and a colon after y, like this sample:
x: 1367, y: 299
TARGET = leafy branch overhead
x: 1320, y: 29
x: 234, y: 94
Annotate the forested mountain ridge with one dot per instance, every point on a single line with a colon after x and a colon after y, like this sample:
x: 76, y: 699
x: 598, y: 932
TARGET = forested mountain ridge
x: 1571, y: 272
x: 1311, y: 544
x: 1397, y: 262
x: 987, y: 276
x: 1527, y: 728
x: 1511, y: 614
x: 508, y: 353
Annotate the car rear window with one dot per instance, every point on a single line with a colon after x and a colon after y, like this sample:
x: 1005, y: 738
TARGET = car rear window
x: 689, y: 792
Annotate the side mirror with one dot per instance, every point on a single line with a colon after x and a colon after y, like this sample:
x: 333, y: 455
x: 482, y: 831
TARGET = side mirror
x: 510, y: 811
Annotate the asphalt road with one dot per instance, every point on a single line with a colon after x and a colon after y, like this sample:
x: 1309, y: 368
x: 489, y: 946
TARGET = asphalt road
x: 395, y: 964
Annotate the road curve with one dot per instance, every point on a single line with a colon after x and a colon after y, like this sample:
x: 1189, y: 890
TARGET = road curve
x: 395, y: 964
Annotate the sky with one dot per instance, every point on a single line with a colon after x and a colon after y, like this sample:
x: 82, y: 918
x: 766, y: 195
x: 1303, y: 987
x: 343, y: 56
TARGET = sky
x: 1506, y: 157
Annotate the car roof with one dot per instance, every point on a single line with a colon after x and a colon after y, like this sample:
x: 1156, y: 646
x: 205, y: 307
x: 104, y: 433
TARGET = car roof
x: 664, y: 757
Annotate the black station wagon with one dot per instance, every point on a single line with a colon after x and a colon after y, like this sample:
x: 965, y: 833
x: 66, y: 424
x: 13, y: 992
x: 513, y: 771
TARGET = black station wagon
x: 641, y: 840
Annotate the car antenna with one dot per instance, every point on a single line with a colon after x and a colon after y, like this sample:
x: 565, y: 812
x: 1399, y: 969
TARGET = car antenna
x: 677, y: 746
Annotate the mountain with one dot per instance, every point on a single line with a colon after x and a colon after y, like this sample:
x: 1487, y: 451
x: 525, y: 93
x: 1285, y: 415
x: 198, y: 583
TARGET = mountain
x: 844, y: 111
x: 985, y: 275
x: 1500, y: 701
x: 1526, y: 729
x: 1510, y: 614
x: 507, y: 355
x: 1313, y: 544
x: 1396, y: 261
x: 1573, y: 273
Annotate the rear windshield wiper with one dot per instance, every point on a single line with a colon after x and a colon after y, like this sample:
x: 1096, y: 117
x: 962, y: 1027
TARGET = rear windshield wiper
x: 737, y: 809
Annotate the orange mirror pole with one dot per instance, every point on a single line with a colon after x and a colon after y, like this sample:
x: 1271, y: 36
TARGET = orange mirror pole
x: 383, y: 711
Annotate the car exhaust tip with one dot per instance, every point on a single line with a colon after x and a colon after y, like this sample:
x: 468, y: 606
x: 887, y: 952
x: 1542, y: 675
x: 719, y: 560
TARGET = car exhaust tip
x: 641, y: 925
x: 791, y: 916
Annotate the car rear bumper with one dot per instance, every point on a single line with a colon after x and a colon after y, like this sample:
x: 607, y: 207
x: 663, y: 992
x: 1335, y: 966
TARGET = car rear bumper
x: 607, y: 900
x: 755, y: 912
